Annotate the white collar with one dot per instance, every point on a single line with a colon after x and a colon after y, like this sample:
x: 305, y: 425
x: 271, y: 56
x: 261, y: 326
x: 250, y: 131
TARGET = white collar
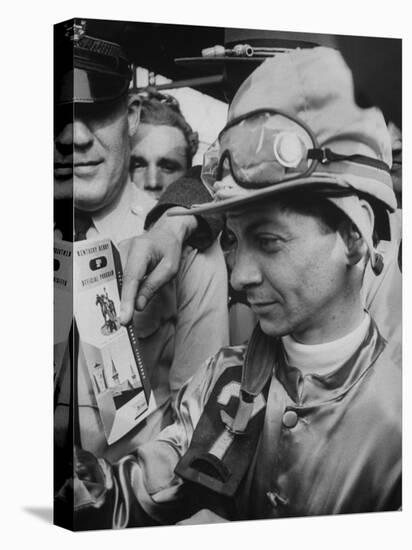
x: 125, y: 217
x: 324, y: 358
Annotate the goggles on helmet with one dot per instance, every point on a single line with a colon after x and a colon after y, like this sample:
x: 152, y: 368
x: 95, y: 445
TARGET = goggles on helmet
x: 266, y: 147
x: 260, y: 148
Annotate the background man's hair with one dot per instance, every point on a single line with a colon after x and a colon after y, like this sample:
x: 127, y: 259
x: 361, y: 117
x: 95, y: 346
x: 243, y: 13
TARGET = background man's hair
x: 161, y: 109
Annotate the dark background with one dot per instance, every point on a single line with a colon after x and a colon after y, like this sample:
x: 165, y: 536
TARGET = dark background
x: 376, y: 62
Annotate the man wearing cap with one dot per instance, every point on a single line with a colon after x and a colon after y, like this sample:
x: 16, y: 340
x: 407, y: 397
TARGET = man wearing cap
x: 305, y: 419
x: 242, y: 52
x: 92, y: 153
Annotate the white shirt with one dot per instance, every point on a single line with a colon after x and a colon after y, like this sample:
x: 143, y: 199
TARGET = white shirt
x: 125, y: 218
x: 321, y: 359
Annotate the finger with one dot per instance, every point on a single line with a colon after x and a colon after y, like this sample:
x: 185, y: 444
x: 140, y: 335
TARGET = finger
x: 162, y: 274
x: 135, y: 270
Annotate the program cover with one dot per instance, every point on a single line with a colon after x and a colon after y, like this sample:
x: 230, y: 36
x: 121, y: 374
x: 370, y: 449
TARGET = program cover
x: 110, y: 351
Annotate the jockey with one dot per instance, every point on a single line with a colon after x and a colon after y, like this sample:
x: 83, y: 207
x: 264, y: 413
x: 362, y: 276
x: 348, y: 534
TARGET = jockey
x: 305, y: 419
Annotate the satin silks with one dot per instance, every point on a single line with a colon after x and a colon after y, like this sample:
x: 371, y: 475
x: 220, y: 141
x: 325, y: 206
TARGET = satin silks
x: 325, y: 441
x: 308, y: 445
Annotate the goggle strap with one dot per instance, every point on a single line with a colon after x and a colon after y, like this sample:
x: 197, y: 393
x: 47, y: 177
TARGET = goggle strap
x: 326, y: 155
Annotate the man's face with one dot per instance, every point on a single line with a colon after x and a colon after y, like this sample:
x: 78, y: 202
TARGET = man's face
x: 158, y: 157
x: 91, y: 151
x: 291, y: 267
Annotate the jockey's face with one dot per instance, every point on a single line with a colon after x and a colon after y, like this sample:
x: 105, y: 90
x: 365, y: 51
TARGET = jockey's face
x: 292, y: 268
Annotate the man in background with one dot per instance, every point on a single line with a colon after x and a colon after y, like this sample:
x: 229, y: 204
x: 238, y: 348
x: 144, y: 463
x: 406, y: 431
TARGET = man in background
x: 91, y: 172
x: 163, y: 146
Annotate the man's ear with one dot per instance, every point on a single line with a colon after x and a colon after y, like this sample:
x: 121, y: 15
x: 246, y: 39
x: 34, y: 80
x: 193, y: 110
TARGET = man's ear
x: 134, y: 108
x: 356, y: 246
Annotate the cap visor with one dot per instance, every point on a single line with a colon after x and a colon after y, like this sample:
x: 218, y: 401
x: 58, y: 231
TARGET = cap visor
x: 81, y: 86
x: 214, y: 207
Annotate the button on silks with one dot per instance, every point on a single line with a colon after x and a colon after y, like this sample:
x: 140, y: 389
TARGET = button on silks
x: 290, y: 419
